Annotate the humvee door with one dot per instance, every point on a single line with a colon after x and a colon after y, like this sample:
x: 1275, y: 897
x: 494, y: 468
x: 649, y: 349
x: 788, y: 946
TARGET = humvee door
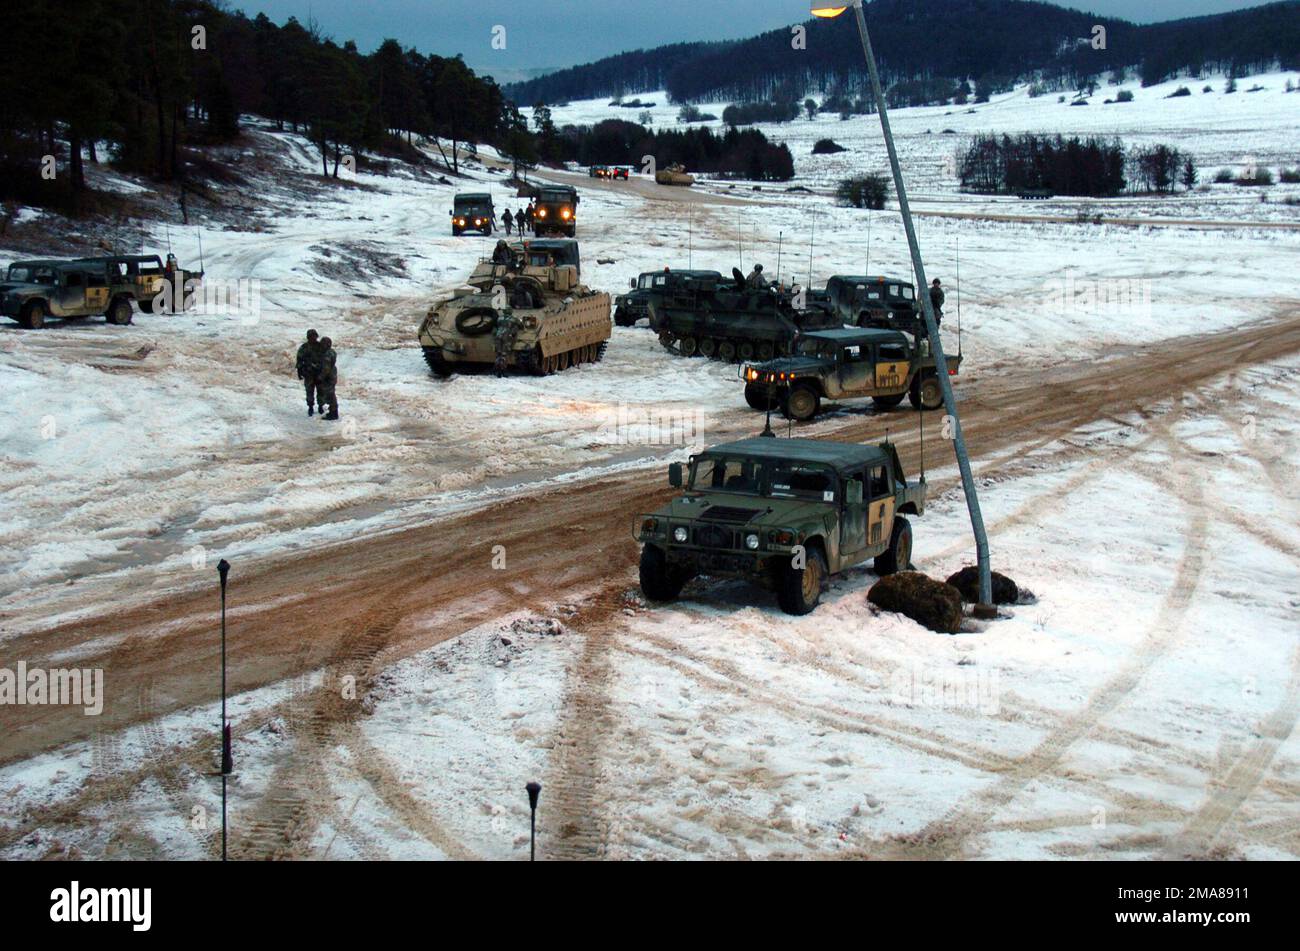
x: 854, y: 372
x: 72, y: 293
x: 881, y: 503
x: 892, y: 366
x: 853, y: 519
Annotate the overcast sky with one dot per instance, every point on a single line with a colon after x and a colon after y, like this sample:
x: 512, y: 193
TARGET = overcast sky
x: 551, y: 33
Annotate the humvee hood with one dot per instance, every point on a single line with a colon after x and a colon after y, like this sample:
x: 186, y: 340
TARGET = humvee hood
x: 727, y: 508
x: 792, y: 365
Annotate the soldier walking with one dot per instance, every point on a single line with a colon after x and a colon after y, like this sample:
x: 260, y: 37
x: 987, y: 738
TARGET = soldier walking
x: 508, y: 219
x: 529, y: 218
x: 936, y: 301
x: 329, y: 377
x: 309, y: 368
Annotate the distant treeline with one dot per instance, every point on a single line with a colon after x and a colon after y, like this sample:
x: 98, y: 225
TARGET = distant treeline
x: 937, y: 44
x: 1092, y: 167
x: 141, y: 80
x: 743, y: 153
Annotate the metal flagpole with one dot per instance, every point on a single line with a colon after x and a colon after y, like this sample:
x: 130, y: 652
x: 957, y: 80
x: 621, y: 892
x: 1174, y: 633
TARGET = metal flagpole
x: 985, y: 607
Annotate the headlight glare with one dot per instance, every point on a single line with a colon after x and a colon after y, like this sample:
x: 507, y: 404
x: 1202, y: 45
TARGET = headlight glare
x: 680, y: 534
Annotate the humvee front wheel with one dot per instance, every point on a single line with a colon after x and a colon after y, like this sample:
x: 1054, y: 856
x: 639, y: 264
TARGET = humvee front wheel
x: 799, y: 590
x: 33, y: 317
x: 802, y: 403
x: 926, y: 393
x: 757, y: 397
x: 898, y: 555
x: 660, y: 581
x: 887, y: 402
x: 119, y: 312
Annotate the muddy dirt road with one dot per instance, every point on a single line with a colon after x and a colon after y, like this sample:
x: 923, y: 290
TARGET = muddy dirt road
x: 366, y: 603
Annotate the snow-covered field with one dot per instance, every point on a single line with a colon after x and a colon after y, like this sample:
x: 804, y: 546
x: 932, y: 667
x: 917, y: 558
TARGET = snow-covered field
x: 1143, y: 704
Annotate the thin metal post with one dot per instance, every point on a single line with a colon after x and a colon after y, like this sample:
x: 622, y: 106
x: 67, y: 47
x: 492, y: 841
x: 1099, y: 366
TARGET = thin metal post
x: 223, y: 569
x: 985, y: 607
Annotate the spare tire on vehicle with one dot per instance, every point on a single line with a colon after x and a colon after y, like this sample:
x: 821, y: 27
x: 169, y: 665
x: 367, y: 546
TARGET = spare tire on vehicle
x: 476, y: 321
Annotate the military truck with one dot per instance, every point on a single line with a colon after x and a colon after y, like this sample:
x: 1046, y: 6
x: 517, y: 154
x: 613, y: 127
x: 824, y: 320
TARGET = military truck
x: 873, y: 301
x: 674, y: 174
x: 556, y: 210
x: 472, y: 211
x: 528, y: 313
x: 849, y: 363
x: 35, y: 290
x: 786, y: 513
x: 145, y: 277
x: 723, y: 319
x: 631, y: 307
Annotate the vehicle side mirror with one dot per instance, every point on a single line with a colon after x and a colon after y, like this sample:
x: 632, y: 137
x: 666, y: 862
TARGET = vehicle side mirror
x: 675, y: 475
x: 632, y: 283
x: 853, y: 492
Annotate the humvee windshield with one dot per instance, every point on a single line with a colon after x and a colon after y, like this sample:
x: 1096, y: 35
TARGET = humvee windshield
x: 31, y: 274
x: 812, y: 347
x: 902, y: 291
x: 786, y: 480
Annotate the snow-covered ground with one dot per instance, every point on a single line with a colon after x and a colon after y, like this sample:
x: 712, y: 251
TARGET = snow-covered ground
x: 1143, y: 705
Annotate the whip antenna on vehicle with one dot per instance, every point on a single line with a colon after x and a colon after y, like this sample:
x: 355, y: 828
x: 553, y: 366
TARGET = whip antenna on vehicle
x: 780, y: 236
x: 868, y: 266
x: 200, y: 234
x: 958, y: 293
x: 740, y: 241
x: 690, y: 236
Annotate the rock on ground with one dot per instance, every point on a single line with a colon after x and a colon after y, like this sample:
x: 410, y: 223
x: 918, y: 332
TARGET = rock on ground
x: 932, y: 603
x: 967, y: 581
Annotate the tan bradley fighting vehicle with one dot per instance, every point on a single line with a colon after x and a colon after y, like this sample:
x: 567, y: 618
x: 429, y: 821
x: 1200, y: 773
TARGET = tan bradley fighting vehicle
x: 530, y: 313
x: 674, y: 175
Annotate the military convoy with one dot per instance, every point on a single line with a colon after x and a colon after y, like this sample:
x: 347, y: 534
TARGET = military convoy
x: 472, y: 211
x: 786, y: 513
x: 701, y: 312
x: 848, y: 363
x: 528, y: 312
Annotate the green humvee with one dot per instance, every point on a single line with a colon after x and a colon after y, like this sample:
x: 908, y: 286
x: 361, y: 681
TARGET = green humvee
x: 848, y: 363
x: 783, y: 512
x: 35, y: 290
x: 629, y: 308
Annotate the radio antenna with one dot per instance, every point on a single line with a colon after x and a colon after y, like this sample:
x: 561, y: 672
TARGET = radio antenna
x: 868, y: 271
x: 812, y: 234
x: 959, y: 294
x: 690, y: 236
x: 779, y: 240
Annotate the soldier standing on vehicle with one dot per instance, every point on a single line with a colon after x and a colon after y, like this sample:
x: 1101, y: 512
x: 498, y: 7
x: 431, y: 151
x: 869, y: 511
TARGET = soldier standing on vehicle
x: 508, y: 219
x: 936, y: 301
x: 329, y: 377
x: 756, y: 281
x: 309, y: 367
x: 501, y: 253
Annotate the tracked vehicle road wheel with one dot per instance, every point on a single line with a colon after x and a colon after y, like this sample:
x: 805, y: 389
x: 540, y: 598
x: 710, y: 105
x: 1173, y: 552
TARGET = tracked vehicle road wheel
x: 799, y: 590
x: 757, y: 398
x: 688, y: 346
x: 727, y: 352
x: 899, y: 553
x: 766, y: 351
x: 746, y: 351
x: 659, y: 580
x: 802, y: 402
x: 433, y: 357
x: 708, y: 347
x: 926, y: 393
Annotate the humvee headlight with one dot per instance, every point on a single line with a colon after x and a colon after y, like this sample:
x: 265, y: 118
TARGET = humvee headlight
x: 541, y: 212
x: 680, y: 534
x: 566, y: 214
x: 751, y: 542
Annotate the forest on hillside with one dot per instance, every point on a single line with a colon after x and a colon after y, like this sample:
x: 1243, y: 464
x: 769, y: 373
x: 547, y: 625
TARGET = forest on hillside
x: 989, y: 42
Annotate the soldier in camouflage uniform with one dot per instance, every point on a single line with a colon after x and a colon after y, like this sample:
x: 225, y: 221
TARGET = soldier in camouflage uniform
x: 506, y: 333
x: 329, y: 376
x: 937, y: 298
x: 309, y: 366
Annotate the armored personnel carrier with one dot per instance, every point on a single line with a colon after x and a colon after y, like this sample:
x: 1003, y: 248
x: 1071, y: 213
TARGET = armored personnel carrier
x: 674, y: 174
x: 524, y: 310
x: 720, y: 318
